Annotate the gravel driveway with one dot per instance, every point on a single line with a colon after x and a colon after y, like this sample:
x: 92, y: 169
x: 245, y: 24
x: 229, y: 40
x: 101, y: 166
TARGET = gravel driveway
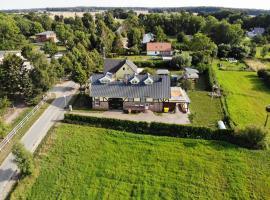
x: 149, y: 116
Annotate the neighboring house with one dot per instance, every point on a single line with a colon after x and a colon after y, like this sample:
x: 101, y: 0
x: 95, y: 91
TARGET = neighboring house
x: 119, y: 68
x: 190, y: 73
x: 133, y: 92
x: 255, y: 32
x: 159, y: 49
x: 46, y: 36
x: 148, y: 37
x: 27, y: 65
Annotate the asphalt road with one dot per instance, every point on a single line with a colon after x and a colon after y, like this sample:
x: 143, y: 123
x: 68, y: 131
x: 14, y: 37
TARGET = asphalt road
x: 33, y: 137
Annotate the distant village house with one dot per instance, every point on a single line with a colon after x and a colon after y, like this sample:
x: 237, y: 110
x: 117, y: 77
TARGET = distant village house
x: 255, y: 32
x: 46, y: 36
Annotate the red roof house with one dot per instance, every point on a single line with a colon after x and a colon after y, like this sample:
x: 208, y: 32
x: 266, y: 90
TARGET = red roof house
x: 159, y: 48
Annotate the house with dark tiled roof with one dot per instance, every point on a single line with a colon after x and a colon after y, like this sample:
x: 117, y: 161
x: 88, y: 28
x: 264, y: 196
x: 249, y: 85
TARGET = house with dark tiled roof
x: 121, y: 87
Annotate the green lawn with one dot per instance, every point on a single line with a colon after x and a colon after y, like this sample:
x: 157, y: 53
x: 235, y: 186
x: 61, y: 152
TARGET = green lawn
x: 239, y: 66
x: 78, y: 162
x: 246, y: 96
x: 205, y: 110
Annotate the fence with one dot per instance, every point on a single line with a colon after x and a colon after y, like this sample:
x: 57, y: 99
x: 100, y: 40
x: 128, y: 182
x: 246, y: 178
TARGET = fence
x: 15, y: 130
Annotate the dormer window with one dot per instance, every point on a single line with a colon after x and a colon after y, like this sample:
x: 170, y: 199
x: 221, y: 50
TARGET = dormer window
x: 135, y: 80
x: 149, y: 80
x: 106, y: 79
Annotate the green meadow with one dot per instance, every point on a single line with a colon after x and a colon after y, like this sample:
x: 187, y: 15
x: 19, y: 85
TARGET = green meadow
x: 80, y: 162
x: 246, y: 96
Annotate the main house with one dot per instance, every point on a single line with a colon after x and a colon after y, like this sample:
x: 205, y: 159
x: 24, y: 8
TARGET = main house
x: 46, y: 36
x: 121, y: 87
x: 159, y: 49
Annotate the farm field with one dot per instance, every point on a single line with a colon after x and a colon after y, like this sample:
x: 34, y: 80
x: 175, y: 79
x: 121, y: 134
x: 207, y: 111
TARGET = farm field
x: 80, y: 162
x: 246, y: 96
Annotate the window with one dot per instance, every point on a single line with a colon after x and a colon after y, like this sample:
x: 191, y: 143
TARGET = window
x: 155, y: 100
x: 130, y: 99
x: 149, y: 99
x: 137, y: 99
x: 97, y: 102
x: 143, y: 100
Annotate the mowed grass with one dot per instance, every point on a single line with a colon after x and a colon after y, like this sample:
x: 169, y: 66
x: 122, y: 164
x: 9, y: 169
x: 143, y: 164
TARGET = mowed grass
x: 79, y: 162
x: 246, y: 95
x: 206, y: 111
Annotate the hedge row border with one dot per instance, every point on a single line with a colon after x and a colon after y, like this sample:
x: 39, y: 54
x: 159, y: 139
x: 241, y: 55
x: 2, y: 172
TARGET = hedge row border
x: 158, y: 129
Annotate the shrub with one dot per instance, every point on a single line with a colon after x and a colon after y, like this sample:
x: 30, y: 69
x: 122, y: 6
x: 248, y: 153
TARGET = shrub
x: 181, y: 60
x: 265, y: 76
x: 154, y: 64
x: 187, y: 84
x: 24, y: 159
x: 253, y: 137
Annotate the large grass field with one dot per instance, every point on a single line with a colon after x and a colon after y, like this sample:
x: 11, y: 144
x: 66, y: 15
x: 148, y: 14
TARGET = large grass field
x: 246, y: 95
x: 79, y: 162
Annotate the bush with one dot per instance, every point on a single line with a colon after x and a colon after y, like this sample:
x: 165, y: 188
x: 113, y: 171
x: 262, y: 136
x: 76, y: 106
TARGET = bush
x: 265, y: 76
x: 253, y: 137
x: 154, y: 64
x: 182, y: 60
x: 24, y: 159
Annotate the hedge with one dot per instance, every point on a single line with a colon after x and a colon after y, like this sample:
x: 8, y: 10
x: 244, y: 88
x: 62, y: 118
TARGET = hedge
x: 160, y: 129
x: 211, y: 77
x: 265, y: 76
x: 154, y: 64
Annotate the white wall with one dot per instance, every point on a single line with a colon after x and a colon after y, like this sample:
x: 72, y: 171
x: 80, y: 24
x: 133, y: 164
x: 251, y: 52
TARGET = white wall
x: 153, y: 53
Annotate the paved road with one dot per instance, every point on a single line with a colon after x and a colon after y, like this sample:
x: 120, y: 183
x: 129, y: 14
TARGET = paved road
x: 33, y: 137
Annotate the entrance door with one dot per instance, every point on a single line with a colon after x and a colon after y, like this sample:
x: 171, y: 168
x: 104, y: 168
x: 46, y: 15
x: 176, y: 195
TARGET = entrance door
x: 115, y: 103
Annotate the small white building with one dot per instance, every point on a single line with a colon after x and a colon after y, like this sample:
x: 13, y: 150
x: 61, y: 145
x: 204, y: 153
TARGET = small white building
x: 191, y: 73
x: 148, y: 37
x: 257, y: 31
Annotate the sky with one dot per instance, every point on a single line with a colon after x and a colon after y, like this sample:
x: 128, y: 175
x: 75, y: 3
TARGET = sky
x: 20, y: 4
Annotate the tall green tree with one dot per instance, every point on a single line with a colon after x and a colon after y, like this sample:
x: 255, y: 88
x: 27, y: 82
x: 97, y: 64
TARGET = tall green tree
x: 50, y: 48
x: 160, y: 35
x: 10, y: 35
x: 14, y: 78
